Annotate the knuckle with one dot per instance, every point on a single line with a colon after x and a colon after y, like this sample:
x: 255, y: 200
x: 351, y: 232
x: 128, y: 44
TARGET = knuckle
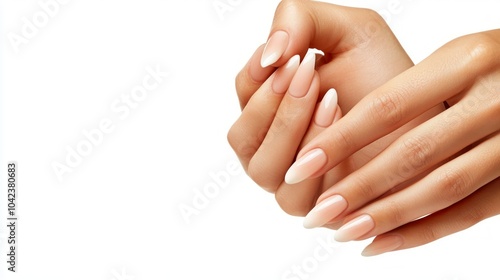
x: 364, y: 188
x: 371, y: 15
x: 395, y: 211
x: 239, y: 83
x: 289, y: 205
x: 453, y: 185
x: 386, y: 109
x: 481, y: 49
x: 473, y: 216
x: 262, y: 175
x: 283, y: 121
x: 428, y: 234
x: 244, y: 147
x: 231, y: 136
x: 369, y: 25
x: 288, y: 4
x: 344, y: 136
x: 418, y: 151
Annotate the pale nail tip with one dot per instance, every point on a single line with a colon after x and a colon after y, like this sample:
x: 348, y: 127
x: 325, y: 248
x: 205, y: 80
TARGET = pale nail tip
x: 366, y: 253
x: 266, y: 61
x: 308, y: 224
x: 295, y: 60
x: 331, y: 91
x: 316, y: 51
x: 290, y: 179
x: 309, y: 56
x: 340, y: 238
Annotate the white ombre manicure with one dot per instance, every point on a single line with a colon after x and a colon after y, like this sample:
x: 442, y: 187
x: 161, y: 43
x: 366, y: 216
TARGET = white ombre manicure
x: 284, y: 75
x: 327, y: 109
x: 306, y: 166
x: 274, y: 49
x: 325, y: 211
x: 303, y: 77
x: 355, y: 228
x: 383, y: 245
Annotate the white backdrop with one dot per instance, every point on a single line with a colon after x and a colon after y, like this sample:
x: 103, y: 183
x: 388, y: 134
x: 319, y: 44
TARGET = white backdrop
x: 116, y: 113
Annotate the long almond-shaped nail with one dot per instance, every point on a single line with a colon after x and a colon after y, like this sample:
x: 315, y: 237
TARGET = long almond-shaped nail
x: 383, y: 245
x: 275, y: 47
x: 306, y: 166
x: 327, y: 109
x: 326, y: 210
x: 303, y: 77
x: 284, y: 75
x: 355, y: 228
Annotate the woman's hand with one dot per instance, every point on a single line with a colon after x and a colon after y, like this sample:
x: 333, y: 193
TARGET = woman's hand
x: 280, y: 115
x: 449, y: 165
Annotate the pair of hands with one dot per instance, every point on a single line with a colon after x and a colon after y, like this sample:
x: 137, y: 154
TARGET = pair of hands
x: 363, y: 141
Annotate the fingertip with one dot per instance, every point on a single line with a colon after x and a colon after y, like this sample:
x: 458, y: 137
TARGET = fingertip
x: 257, y: 73
x: 275, y: 47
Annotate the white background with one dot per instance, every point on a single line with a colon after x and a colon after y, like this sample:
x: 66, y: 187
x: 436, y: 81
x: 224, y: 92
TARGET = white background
x: 116, y: 214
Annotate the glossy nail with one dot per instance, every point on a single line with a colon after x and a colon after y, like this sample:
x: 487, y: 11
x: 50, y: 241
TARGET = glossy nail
x: 284, y: 75
x: 306, y: 166
x: 355, y: 228
x: 303, y: 77
x: 383, y: 245
x: 255, y: 71
x: 275, y: 47
x: 327, y: 109
x: 325, y: 211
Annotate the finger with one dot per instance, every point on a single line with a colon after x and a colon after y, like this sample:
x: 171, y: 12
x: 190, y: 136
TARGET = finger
x: 443, y: 187
x: 299, y: 25
x: 397, y: 102
x: 349, y: 37
x: 268, y: 166
x: 299, y: 201
x: 248, y: 132
x: 479, y: 206
x: 412, y: 154
x: 251, y: 77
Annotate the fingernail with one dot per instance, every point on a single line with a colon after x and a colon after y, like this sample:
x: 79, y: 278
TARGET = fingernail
x: 383, y: 245
x: 355, y: 228
x: 325, y: 211
x: 306, y: 166
x: 327, y: 109
x: 303, y: 77
x: 284, y: 75
x: 275, y: 47
x: 256, y: 72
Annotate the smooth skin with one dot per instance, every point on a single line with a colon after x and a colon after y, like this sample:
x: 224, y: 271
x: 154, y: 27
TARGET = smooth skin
x: 396, y: 155
x: 460, y: 147
x: 274, y: 125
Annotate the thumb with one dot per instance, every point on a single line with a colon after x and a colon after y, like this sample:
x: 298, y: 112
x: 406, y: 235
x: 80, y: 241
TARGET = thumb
x: 300, y: 24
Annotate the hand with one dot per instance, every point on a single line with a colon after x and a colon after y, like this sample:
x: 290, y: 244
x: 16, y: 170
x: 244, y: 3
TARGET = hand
x: 450, y: 164
x: 361, y: 53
